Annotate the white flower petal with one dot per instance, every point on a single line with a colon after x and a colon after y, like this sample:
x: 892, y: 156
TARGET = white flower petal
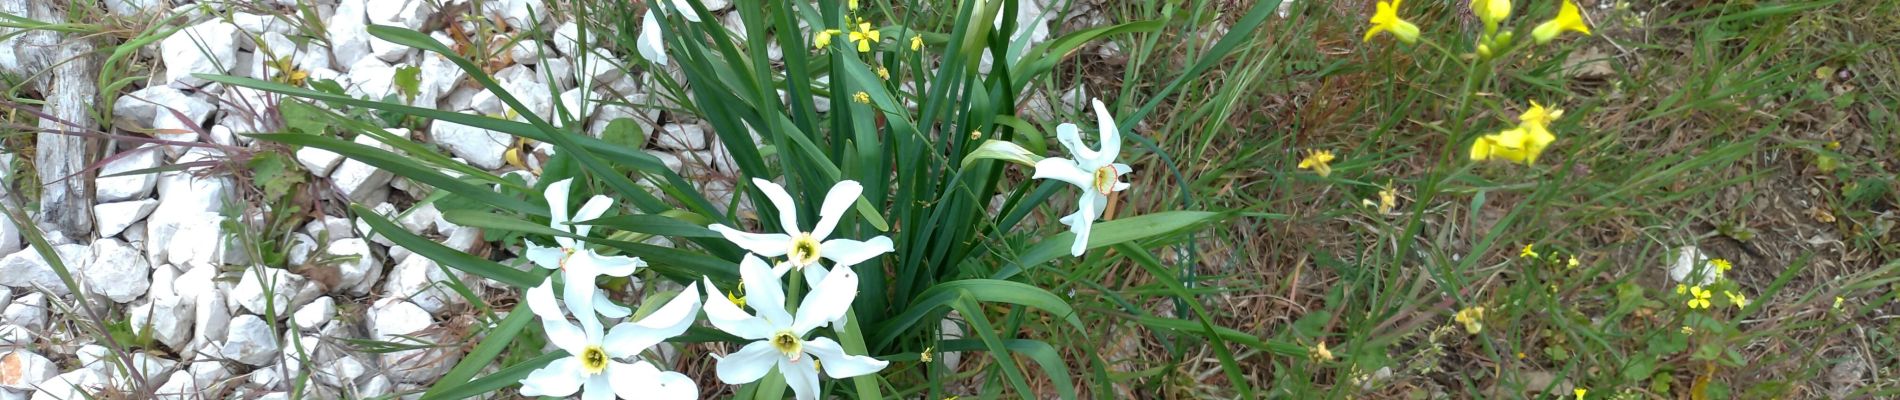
x: 686, y: 10
x: 619, y: 266
x: 763, y: 292
x: 579, y: 293
x: 748, y: 364
x: 1071, y: 138
x: 635, y: 380
x: 1111, y: 135
x: 828, y: 301
x: 1066, y: 170
x: 782, y: 203
x: 607, y: 308
x: 839, y: 365
x: 763, y: 244
x: 837, y: 201
x: 674, y: 385
x: 729, y: 318
x: 815, y: 274
x: 561, y: 332
x: 1081, y: 222
x: 1122, y: 169
x: 672, y: 319
x: 801, y: 376
x: 545, y: 257
x: 595, y: 207
x: 559, y: 378
x: 650, y: 43
x: 557, y: 203
x: 779, y: 269
x: 599, y: 387
x: 847, y: 252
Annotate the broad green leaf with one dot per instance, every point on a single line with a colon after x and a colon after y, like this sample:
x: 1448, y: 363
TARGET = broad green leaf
x: 1111, y: 233
x: 931, y: 301
x: 1045, y: 356
x: 1004, y: 151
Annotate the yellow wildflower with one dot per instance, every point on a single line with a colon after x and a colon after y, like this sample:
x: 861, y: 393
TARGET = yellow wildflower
x: 1573, y: 263
x: 1472, y: 318
x: 1529, y: 251
x: 1387, y: 20
x: 1521, y: 355
x: 1539, y: 116
x: 1491, y: 12
x: 1837, y: 302
x: 917, y: 43
x: 1721, y: 265
x: 1388, y: 199
x: 861, y: 97
x: 822, y: 39
x: 1699, y: 297
x: 1738, y: 298
x: 924, y: 356
x: 1320, y: 161
x: 1687, y: 330
x: 864, y: 36
x: 1319, y: 352
x: 1682, y: 289
x: 1568, y: 19
x: 883, y: 73
x: 1522, y: 144
x: 1580, y: 392
x: 852, y: 3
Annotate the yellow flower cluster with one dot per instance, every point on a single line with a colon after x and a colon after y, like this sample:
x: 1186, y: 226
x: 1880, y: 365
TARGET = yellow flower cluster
x: 1320, y: 161
x: 1385, y: 19
x: 863, y: 36
x: 1522, y: 144
x: 1472, y: 318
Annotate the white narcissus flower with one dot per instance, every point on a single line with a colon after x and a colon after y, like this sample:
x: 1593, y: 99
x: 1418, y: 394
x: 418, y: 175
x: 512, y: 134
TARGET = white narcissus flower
x: 801, y: 248
x: 779, y: 337
x: 580, y: 266
x: 594, y: 367
x: 651, y: 45
x: 1096, y: 172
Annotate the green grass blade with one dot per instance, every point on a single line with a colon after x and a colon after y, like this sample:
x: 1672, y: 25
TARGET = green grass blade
x: 506, y: 377
x: 493, y: 343
x: 443, y: 254
x: 407, y: 168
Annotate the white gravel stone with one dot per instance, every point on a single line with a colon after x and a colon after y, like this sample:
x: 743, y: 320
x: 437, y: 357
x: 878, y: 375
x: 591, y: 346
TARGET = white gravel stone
x: 26, y: 269
x: 358, y: 276
x: 113, y: 218
x: 517, y: 13
x: 28, y: 311
x: 376, y: 386
x: 9, y: 237
x: 313, y: 316
x: 608, y: 113
x: 373, y: 78
x: 127, y: 8
x: 420, y: 219
x: 421, y: 281
x: 330, y: 227
x: 78, y: 384
x: 250, y: 341
x: 21, y: 369
x: 128, y: 187
x: 209, y: 374
x: 117, y: 271
x: 209, y: 321
x: 179, y: 387
x: 1692, y: 267
x: 681, y: 137
x: 250, y: 292
x: 349, y: 39
x: 388, y: 211
x: 199, y: 49
x: 261, y: 24
x: 342, y: 373
x: 144, y: 105
x: 360, y: 181
x: 481, y: 147
x: 168, y: 319
x: 318, y: 161
x: 15, y: 336
x: 198, y: 241
x: 391, y: 317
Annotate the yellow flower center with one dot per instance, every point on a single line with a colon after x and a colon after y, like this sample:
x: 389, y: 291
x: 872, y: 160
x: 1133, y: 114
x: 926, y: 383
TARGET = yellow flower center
x: 1105, y: 179
x: 593, y: 360
x: 567, y: 253
x: 788, y: 344
x: 804, y: 250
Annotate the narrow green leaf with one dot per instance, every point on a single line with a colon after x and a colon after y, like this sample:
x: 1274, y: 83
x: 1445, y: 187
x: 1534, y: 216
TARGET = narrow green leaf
x: 496, y: 340
x: 1042, y: 353
x: 407, y: 168
x: 506, y: 377
x: 932, y: 300
x: 1111, y: 233
x: 443, y: 254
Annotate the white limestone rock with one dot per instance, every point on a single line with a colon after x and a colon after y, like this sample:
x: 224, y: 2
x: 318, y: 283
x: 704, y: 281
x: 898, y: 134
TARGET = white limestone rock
x: 27, y: 270
x: 22, y: 369
x: 391, y: 317
x: 481, y: 147
x: 250, y: 341
x: 204, y: 48
x: 349, y: 37
x: 357, y: 276
x: 113, y: 218
x: 313, y: 316
x: 117, y: 271
x: 681, y: 137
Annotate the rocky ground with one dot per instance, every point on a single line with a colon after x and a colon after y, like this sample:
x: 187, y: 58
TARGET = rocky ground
x: 160, y: 251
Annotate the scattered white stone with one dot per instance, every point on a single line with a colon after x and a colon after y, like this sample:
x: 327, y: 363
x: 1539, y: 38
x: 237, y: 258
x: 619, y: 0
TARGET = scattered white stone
x: 127, y: 8
x: 198, y: 241
x: 349, y: 37
x: 341, y: 373
x: 421, y: 281
x: 713, y: 5
x: 28, y: 311
x: 377, y: 386
x: 127, y: 187
x: 250, y: 341
x: 26, y: 269
x: 597, y: 66
x: 21, y: 369
x: 439, y: 75
x: 670, y: 160
x: 481, y: 147
x: 267, y: 378
x: 78, y: 384
x: 251, y: 291
x: 561, y: 69
x: 178, y: 387
x: 300, y: 250
x: 209, y: 321
x: 145, y: 105
x: 420, y: 219
x: 167, y: 319
x: 319, y: 161
x: 360, y: 181
x: 117, y: 271
x: 391, y: 317
x: 209, y: 374
x: 355, y: 277
x: 112, y: 218
x: 387, y: 211
x: 261, y: 24
x: 681, y: 137
x: 15, y: 336
x: 374, y: 79
x: 313, y: 316
x: 608, y: 113
x: 199, y: 49
x: 516, y: 13
x: 1692, y: 267
x: 9, y: 237
x: 330, y: 227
